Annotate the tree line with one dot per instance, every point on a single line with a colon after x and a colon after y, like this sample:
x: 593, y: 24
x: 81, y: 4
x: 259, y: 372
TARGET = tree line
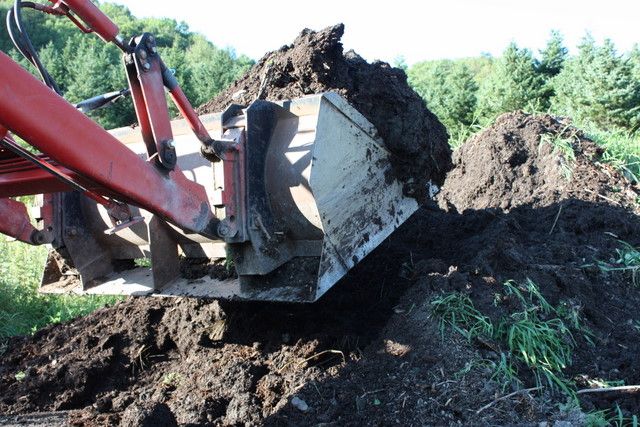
x: 597, y: 86
x: 84, y: 66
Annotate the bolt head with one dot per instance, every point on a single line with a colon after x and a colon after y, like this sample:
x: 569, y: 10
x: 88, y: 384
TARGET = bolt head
x: 146, y: 66
x: 223, y: 230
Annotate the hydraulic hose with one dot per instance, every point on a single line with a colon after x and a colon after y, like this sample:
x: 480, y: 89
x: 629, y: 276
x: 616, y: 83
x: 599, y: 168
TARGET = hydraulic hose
x: 20, y: 38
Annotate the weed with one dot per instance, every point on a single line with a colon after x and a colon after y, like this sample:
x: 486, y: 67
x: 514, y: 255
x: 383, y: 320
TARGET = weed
x: 615, y: 417
x: 471, y: 365
x: 596, y: 419
x: 533, y: 301
x: 562, y: 146
x: 171, y: 380
x: 506, y: 373
x: 543, y: 345
x: 570, y: 312
x: 20, y: 376
x: 537, y: 336
x: 627, y: 260
x: 459, y: 134
x: 457, y: 310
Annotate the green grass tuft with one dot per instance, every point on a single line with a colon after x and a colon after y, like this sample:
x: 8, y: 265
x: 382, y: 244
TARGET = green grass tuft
x: 457, y: 310
x: 506, y: 373
x: 22, y: 309
x: 610, y: 417
x: 538, y: 336
x: 545, y: 346
x: 563, y: 147
x: 597, y: 418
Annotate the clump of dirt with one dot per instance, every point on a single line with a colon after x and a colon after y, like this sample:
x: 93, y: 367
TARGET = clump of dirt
x: 195, y: 268
x: 316, y: 63
x: 151, y: 414
x: 372, y: 352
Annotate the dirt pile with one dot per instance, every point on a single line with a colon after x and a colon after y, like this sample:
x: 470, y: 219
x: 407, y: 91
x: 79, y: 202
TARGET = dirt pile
x: 372, y: 352
x: 316, y: 63
x: 531, y: 160
x: 210, y: 362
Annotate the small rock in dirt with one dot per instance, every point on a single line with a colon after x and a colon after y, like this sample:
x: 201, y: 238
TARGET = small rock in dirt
x: 299, y: 404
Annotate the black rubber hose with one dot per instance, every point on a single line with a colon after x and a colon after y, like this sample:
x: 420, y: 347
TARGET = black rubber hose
x: 35, y: 59
x: 26, y: 45
x: 17, y: 41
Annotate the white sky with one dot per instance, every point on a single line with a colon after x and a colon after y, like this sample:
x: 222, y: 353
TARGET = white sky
x: 416, y: 30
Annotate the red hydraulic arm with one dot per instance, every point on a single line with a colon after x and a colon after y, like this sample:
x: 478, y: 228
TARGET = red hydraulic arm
x: 93, y: 17
x: 31, y: 110
x: 15, y: 221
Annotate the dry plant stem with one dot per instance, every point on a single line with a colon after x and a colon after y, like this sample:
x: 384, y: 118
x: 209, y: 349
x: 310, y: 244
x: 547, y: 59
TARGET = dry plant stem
x: 344, y: 360
x: 603, y: 197
x: 521, y: 391
x: 619, y: 389
x: 555, y: 221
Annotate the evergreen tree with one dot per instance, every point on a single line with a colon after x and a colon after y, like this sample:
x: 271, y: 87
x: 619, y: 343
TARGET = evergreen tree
x: 449, y: 90
x: 553, y: 55
x: 599, y: 86
x: 88, y: 77
x: 211, y: 69
x: 634, y: 59
x: 513, y: 84
x: 400, y: 62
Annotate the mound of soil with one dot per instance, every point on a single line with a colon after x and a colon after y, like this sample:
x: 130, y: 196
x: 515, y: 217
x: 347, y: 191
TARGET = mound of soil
x: 316, y: 63
x: 519, y: 161
x: 372, y: 352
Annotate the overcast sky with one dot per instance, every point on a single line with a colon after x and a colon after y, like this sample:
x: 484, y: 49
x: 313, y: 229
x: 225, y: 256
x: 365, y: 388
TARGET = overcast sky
x: 415, y: 30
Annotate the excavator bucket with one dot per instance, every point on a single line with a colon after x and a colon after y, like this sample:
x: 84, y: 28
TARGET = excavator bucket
x: 314, y: 190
